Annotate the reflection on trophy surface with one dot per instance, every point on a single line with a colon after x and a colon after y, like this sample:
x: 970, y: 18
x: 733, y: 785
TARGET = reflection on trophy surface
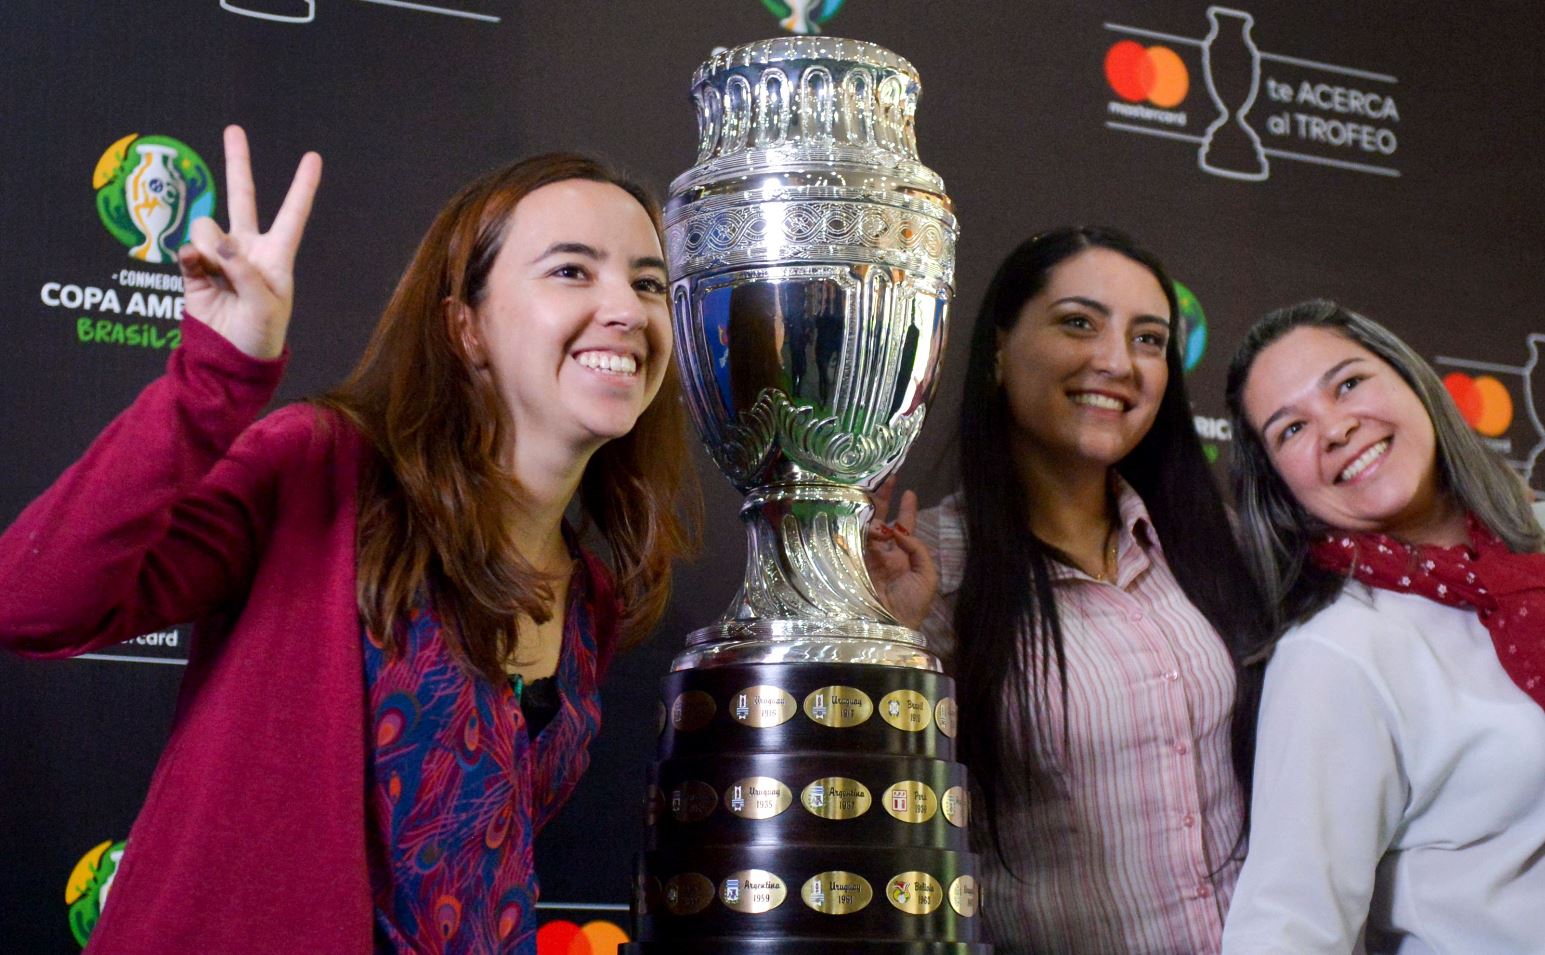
x: 807, y: 799
x: 812, y: 260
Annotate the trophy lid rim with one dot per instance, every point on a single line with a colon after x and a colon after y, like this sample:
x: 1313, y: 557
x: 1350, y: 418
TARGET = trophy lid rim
x: 784, y: 48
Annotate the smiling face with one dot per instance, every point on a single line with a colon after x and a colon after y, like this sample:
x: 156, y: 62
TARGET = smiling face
x: 1083, y: 366
x: 1349, y: 437
x: 572, y: 325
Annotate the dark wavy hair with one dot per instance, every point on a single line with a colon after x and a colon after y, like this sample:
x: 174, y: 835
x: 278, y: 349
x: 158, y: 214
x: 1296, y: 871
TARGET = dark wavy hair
x: 436, y: 505
x: 1006, y: 618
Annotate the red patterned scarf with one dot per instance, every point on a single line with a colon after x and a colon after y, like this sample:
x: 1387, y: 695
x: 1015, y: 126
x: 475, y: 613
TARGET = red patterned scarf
x: 1506, y: 590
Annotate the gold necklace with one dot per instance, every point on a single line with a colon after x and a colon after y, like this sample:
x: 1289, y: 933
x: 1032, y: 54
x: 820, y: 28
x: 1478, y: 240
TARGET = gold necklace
x: 1107, y: 556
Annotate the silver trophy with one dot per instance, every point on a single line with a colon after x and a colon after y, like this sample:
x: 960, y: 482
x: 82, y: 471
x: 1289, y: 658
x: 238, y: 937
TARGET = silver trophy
x: 812, y: 262
x: 806, y: 799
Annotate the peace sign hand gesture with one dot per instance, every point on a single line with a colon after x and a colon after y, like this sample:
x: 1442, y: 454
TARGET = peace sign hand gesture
x: 241, y: 283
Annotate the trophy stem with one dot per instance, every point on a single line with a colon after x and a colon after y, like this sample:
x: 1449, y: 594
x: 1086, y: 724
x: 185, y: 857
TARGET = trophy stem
x: 806, y: 594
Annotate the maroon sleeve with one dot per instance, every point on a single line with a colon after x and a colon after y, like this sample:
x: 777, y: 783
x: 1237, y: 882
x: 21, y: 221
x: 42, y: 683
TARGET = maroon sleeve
x: 157, y: 523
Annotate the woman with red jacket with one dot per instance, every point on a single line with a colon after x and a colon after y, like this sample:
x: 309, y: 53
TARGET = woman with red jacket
x: 398, y: 638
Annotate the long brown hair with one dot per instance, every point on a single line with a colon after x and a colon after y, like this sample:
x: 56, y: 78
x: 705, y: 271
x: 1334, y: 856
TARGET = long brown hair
x: 436, y: 505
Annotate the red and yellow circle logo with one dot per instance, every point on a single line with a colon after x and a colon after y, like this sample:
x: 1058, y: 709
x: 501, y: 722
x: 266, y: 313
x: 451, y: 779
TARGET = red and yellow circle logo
x: 1154, y: 73
x: 1483, y: 402
x: 566, y: 938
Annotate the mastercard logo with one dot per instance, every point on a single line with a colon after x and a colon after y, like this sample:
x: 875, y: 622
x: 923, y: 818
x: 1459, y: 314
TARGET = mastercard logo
x: 566, y: 938
x: 1483, y: 401
x: 1153, y: 73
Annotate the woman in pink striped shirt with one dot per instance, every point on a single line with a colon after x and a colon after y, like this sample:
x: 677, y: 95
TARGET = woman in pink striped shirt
x: 1085, y: 589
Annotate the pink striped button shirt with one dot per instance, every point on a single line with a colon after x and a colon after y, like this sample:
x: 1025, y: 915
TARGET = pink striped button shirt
x: 1132, y: 853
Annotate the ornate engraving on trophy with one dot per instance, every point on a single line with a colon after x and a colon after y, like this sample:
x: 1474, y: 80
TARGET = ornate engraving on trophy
x: 916, y: 893
x: 692, y: 710
x: 906, y: 710
x: 911, y: 801
x: 753, y: 891
x: 836, y: 797
x: 839, y: 706
x: 757, y: 797
x: 963, y: 897
x: 946, y: 715
x: 956, y: 804
x: 693, y: 801
x: 763, y: 706
x: 688, y: 893
x: 837, y: 892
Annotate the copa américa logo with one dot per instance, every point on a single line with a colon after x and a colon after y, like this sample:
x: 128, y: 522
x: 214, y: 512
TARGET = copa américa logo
x: 1193, y: 327
x: 87, y: 889
x: 561, y: 937
x: 149, y: 191
x: 803, y: 16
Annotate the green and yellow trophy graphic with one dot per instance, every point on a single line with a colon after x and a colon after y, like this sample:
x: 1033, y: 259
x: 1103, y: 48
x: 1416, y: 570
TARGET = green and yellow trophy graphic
x: 149, y: 189
x: 86, y: 892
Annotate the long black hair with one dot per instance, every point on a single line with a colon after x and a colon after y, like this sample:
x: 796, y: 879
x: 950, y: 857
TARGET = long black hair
x: 1009, y: 635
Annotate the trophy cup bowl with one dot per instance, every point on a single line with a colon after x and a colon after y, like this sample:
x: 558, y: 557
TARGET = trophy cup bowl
x: 806, y: 798
x: 812, y: 267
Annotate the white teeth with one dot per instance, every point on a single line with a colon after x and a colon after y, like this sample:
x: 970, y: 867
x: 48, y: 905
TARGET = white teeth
x: 1363, y: 460
x: 609, y: 362
x: 1097, y: 401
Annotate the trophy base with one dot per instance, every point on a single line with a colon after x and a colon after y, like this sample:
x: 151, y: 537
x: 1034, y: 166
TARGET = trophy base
x: 807, y: 808
x: 785, y: 641
x: 801, y: 946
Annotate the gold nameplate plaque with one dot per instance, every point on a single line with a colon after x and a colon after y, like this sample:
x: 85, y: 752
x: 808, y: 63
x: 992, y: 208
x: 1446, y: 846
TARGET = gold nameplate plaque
x: 963, y: 896
x: 836, y: 797
x: 693, y: 801
x: 837, y: 893
x: 916, y: 893
x: 839, y: 706
x: 906, y: 710
x: 688, y: 893
x: 692, y: 710
x: 947, y: 716
x: 763, y: 706
x: 911, y: 801
x: 957, y: 806
x: 752, y: 891
x: 757, y: 797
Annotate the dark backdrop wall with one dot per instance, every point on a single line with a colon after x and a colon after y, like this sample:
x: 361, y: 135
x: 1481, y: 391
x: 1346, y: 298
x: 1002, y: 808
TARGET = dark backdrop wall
x: 1396, y: 168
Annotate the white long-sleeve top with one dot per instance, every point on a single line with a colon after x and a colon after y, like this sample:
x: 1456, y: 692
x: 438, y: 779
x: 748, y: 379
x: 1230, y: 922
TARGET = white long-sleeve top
x: 1399, y: 782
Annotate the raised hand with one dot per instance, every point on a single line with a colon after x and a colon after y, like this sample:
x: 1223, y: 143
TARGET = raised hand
x: 241, y: 282
x: 900, y: 566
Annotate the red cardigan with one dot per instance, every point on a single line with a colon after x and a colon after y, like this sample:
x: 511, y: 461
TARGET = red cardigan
x: 252, y: 838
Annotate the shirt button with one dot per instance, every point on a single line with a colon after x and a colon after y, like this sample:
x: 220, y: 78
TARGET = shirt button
x: 1188, y: 821
x: 1136, y: 616
x: 1181, y: 749
x: 1172, y: 675
x: 1204, y: 891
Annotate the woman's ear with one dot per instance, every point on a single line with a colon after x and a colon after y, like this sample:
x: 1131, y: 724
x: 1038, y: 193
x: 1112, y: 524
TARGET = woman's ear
x: 461, y: 323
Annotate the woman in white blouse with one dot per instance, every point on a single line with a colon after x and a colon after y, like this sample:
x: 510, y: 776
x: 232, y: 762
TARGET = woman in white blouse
x: 1400, y: 768
x: 1084, y: 588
